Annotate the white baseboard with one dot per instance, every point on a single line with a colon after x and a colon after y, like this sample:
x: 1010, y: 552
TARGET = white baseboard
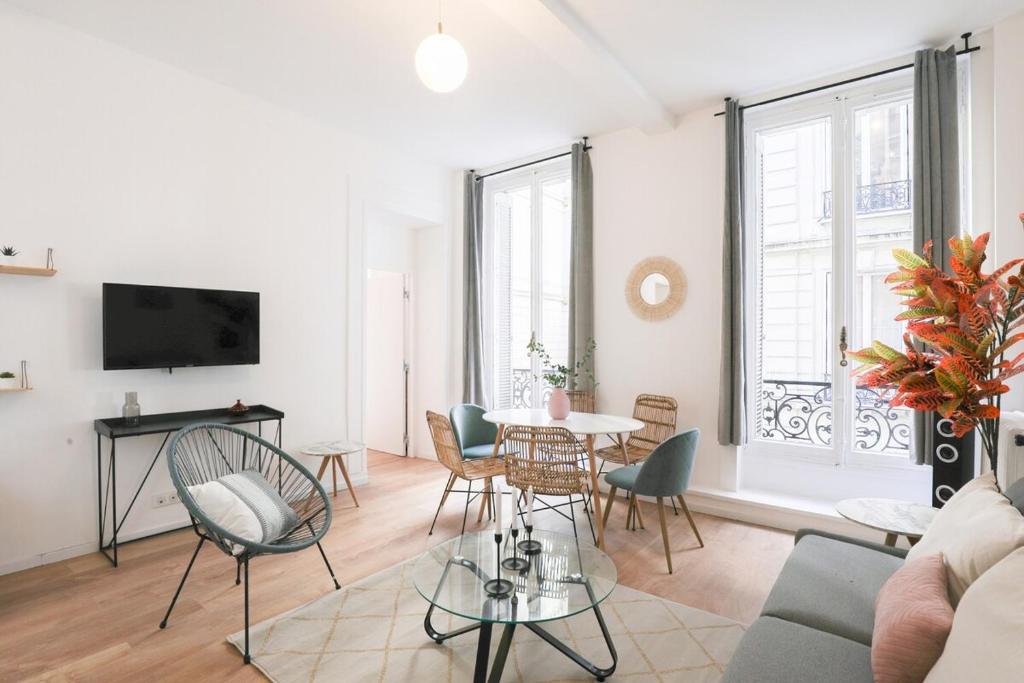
x: 79, y: 549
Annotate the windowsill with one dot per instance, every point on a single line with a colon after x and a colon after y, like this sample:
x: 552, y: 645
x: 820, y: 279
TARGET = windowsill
x: 775, y: 501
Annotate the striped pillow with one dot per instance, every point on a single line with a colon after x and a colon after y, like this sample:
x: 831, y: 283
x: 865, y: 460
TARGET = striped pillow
x: 247, y: 506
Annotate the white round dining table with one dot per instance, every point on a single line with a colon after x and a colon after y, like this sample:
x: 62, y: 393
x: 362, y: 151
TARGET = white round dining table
x: 587, y: 425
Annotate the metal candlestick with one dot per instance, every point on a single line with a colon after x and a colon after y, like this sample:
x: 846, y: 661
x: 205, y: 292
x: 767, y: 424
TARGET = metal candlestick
x: 498, y: 588
x: 530, y: 546
x: 515, y: 563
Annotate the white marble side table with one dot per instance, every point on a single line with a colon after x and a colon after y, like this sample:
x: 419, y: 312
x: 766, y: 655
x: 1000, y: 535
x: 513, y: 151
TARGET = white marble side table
x: 895, y: 517
x: 333, y: 454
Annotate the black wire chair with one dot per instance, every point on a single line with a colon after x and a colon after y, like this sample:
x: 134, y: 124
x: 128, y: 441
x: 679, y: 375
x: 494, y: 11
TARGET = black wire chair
x: 201, y: 453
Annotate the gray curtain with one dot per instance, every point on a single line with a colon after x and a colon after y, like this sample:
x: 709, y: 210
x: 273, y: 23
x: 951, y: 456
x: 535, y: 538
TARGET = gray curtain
x: 476, y: 384
x: 581, y: 261
x: 935, y: 198
x: 731, y: 399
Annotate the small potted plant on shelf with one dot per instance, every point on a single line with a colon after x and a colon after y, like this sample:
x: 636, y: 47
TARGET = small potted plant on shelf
x: 558, y: 376
x: 8, y: 256
x: 8, y: 380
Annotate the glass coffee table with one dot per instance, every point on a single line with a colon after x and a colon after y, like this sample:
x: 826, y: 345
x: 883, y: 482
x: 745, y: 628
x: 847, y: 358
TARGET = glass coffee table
x: 560, y: 579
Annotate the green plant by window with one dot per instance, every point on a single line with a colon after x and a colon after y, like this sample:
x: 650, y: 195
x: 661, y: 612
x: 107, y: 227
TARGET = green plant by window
x: 558, y: 375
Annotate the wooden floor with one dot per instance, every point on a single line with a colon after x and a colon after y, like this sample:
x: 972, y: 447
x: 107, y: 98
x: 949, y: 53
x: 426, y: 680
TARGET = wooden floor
x: 82, y: 620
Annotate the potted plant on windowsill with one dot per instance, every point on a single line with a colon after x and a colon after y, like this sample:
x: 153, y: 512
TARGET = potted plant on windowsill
x: 559, y: 376
x: 961, y: 329
x: 9, y: 256
x: 8, y: 380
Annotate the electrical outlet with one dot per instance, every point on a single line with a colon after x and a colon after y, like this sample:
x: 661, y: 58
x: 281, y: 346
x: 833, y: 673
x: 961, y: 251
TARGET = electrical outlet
x: 164, y: 499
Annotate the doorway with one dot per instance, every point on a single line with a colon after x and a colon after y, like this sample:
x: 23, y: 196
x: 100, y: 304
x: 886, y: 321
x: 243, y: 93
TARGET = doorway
x: 387, y: 362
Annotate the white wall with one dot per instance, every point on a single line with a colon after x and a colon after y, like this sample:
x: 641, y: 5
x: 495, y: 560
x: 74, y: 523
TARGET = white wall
x: 1008, y: 124
x: 134, y: 171
x: 661, y: 195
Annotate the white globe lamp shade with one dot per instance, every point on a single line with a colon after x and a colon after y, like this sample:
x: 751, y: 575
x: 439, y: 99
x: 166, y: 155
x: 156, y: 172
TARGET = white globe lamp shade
x: 441, y: 63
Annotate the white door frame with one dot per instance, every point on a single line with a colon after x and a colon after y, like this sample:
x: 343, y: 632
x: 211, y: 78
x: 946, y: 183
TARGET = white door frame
x: 361, y: 200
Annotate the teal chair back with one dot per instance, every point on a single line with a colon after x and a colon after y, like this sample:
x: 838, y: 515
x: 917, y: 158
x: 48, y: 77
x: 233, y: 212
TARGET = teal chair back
x: 666, y: 472
x: 470, y: 427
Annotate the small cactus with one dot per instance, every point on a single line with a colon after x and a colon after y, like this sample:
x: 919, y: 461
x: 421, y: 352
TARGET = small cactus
x: 9, y: 251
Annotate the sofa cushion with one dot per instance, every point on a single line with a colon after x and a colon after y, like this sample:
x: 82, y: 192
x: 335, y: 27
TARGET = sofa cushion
x: 973, y: 531
x: 987, y: 640
x: 777, y: 651
x: 1015, y: 492
x: 831, y: 586
x: 912, y: 621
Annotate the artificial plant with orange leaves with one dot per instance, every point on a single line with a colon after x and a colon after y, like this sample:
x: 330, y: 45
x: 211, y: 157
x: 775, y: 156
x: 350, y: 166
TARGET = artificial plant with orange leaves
x: 961, y: 330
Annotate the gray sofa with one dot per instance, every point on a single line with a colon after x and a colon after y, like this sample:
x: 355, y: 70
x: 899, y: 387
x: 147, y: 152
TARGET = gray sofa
x: 817, y: 621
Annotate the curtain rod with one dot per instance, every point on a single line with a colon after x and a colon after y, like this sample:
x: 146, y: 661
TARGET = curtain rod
x: 533, y: 163
x: 966, y: 50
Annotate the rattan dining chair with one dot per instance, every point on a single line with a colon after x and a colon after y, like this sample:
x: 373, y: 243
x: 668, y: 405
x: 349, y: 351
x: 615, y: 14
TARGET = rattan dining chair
x: 202, y: 453
x: 658, y: 413
x: 581, y: 401
x: 468, y: 470
x: 548, y: 460
x: 664, y: 474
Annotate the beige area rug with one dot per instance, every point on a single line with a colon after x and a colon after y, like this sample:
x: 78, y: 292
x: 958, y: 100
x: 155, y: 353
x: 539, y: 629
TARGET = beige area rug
x: 372, y: 632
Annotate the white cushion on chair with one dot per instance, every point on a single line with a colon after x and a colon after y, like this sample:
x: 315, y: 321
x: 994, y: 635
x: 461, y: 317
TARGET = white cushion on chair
x: 245, y: 505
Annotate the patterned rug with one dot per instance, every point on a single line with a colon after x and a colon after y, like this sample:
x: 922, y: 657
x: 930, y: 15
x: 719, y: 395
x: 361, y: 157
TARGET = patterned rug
x: 372, y: 632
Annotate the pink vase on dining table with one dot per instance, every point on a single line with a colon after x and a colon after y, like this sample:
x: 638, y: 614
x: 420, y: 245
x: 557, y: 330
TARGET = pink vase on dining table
x: 558, y: 404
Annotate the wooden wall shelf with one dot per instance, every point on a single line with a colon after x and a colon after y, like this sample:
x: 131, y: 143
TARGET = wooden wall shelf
x: 15, y: 390
x: 27, y: 270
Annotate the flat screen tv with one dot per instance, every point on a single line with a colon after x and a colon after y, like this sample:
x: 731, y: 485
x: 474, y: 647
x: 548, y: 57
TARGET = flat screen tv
x: 174, y: 327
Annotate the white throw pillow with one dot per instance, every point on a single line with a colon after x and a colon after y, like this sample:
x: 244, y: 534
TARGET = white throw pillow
x: 987, y: 639
x: 227, y: 511
x: 976, y: 529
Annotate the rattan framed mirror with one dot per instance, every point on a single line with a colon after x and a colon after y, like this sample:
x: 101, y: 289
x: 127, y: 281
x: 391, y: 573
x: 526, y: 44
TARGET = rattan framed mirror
x: 655, y: 288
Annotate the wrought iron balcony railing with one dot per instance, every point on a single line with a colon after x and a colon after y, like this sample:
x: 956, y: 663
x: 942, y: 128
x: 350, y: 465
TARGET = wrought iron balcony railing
x: 867, y: 199
x: 797, y: 411
x: 522, y: 389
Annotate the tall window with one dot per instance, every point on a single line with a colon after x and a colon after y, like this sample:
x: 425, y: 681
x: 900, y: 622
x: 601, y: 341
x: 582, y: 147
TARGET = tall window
x: 830, y: 200
x: 528, y: 220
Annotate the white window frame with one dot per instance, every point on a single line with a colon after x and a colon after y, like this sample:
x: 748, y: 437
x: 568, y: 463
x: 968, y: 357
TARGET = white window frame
x: 839, y: 105
x: 534, y: 177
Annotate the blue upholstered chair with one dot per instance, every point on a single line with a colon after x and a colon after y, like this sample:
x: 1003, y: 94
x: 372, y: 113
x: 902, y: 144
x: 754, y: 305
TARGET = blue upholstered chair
x: 474, y: 436
x: 664, y: 474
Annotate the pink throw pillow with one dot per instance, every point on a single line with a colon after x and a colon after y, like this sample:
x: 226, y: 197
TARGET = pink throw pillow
x: 912, y: 621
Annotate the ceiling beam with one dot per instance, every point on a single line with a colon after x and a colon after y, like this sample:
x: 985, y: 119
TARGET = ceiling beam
x: 556, y: 29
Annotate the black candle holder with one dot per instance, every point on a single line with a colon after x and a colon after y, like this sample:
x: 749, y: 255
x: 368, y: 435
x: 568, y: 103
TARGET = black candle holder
x: 530, y: 546
x: 499, y: 588
x: 515, y: 563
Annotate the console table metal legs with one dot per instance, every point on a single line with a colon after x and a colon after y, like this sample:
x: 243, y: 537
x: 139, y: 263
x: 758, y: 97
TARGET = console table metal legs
x: 106, y: 492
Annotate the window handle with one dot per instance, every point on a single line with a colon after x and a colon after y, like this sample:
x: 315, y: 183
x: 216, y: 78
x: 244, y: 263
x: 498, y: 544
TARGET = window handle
x: 842, y: 347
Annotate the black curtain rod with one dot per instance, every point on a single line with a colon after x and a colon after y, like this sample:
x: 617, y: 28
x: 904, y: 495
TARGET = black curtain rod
x: 966, y: 50
x: 533, y: 163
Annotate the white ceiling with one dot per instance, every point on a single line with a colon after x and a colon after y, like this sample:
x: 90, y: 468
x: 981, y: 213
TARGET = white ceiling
x: 542, y: 72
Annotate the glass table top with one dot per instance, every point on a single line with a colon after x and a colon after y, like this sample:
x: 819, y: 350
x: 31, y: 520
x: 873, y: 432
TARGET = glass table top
x: 560, y: 581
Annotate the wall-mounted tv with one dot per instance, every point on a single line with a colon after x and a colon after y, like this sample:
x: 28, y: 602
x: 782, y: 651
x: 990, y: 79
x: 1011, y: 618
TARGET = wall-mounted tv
x: 174, y: 327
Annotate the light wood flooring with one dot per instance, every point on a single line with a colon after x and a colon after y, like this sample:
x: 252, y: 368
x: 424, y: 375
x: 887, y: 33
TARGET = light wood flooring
x: 82, y: 620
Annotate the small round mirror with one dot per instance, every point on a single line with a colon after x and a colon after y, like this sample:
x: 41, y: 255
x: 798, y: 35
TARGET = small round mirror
x: 654, y: 289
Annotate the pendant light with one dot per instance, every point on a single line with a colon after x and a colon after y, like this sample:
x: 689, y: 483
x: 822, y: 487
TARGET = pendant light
x: 440, y: 60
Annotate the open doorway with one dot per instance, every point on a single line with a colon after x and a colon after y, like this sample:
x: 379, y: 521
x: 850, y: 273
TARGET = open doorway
x: 387, y: 362
x: 403, y: 335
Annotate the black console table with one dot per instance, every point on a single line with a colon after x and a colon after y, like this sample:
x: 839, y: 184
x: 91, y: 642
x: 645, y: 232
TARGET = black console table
x: 114, y: 428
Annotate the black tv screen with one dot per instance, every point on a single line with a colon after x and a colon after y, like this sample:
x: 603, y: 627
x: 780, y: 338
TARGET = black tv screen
x: 173, y: 327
